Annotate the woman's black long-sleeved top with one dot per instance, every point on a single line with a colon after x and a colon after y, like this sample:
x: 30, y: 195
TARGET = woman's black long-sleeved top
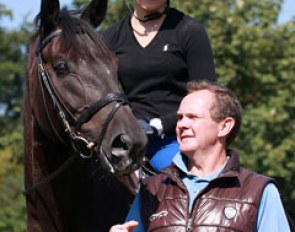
x: 154, y: 77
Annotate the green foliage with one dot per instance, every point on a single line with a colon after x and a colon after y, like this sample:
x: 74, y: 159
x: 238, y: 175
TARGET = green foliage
x: 12, y: 58
x: 12, y: 204
x: 254, y: 56
x: 4, y: 12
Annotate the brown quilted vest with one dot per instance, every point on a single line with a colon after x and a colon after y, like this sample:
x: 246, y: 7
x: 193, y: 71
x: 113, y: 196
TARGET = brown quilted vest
x: 228, y: 203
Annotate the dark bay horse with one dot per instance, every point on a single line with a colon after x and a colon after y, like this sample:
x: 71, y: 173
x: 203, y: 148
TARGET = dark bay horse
x: 80, y: 133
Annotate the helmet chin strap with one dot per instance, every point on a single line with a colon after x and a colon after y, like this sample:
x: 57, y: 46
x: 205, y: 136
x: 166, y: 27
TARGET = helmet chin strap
x: 153, y: 16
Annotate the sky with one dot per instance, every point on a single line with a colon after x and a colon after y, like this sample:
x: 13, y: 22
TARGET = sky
x: 22, y: 9
x: 30, y: 8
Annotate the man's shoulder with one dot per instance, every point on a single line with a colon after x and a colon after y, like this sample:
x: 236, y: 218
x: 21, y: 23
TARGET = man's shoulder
x: 158, y: 184
x: 249, y: 175
x: 154, y: 179
x: 166, y: 175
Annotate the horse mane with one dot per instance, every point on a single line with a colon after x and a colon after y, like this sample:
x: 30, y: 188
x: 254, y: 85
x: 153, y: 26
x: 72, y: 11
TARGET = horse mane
x: 70, y: 24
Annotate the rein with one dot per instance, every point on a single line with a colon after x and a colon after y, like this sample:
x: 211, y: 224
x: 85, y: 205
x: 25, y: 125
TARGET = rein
x: 77, y: 141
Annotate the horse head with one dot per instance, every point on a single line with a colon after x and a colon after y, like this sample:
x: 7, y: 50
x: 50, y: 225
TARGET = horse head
x: 76, y: 100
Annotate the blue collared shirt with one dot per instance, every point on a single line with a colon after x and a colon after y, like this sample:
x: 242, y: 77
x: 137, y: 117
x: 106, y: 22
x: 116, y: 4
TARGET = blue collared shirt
x: 271, y: 214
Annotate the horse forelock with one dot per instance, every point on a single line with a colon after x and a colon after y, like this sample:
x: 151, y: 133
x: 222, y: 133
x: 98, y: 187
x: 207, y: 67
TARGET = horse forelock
x: 71, y: 25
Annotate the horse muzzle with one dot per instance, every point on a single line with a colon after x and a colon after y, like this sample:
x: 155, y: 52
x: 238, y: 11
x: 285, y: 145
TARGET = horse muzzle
x: 122, y: 156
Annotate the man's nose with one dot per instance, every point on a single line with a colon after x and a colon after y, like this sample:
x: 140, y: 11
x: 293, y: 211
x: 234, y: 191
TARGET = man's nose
x: 184, y: 122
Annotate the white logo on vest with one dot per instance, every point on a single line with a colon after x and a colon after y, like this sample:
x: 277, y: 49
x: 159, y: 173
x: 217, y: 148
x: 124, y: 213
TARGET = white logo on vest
x: 230, y: 211
x: 158, y: 215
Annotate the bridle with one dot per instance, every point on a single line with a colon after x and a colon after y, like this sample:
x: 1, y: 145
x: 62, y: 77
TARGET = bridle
x: 62, y: 109
x: 77, y: 142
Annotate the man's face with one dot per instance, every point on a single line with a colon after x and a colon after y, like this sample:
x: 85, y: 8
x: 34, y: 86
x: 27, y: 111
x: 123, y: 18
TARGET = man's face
x: 195, y: 129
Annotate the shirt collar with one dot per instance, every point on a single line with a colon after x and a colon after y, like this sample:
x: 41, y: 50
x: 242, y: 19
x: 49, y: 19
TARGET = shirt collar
x: 181, y: 161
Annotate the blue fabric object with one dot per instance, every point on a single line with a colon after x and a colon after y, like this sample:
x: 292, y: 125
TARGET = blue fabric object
x: 162, y: 151
x: 271, y: 215
x: 134, y: 214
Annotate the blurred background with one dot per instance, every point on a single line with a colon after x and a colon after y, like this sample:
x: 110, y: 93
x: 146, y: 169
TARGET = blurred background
x: 254, y: 49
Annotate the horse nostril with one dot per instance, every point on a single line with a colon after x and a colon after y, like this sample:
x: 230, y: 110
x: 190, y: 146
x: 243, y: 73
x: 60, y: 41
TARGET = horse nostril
x: 119, y: 152
x: 123, y: 154
x: 119, y: 146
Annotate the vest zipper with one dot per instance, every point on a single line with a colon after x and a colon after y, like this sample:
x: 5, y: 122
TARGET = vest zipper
x: 189, y: 224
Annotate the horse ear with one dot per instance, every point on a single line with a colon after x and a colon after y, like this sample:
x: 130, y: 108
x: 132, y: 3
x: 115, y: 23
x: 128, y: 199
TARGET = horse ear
x: 49, y: 15
x: 95, y: 12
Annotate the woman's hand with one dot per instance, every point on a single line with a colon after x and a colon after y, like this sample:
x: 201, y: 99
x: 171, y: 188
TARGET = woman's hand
x: 126, y: 227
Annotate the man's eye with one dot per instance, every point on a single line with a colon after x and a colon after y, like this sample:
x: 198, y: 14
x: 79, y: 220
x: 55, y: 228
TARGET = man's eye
x: 61, y: 68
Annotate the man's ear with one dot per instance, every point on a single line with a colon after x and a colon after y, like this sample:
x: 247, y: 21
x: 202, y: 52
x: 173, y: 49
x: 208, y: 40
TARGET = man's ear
x: 225, y: 126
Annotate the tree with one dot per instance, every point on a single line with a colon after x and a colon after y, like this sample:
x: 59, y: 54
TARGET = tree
x: 12, y: 58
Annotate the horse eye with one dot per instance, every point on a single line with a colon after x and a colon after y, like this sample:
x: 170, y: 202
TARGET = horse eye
x: 61, y: 68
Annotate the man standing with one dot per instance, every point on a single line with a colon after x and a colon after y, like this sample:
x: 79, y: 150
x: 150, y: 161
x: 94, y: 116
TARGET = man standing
x: 205, y: 189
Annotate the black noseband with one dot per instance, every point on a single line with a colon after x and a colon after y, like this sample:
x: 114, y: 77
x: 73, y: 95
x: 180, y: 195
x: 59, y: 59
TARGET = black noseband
x: 118, y: 97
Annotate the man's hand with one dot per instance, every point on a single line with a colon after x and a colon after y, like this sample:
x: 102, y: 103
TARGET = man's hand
x: 126, y: 227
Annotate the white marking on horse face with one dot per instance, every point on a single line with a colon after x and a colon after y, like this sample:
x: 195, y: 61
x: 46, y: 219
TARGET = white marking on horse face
x: 82, y: 61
